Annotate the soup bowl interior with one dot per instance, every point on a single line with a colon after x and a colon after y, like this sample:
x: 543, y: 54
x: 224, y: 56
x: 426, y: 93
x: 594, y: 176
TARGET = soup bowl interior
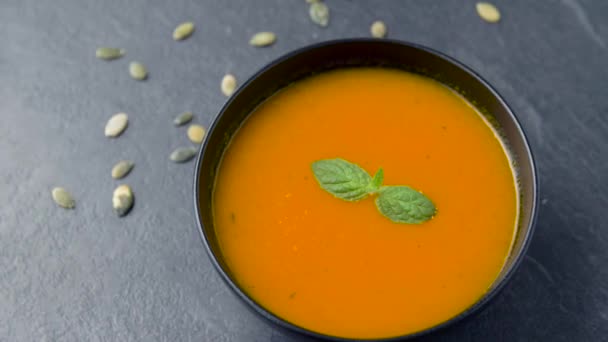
x: 356, y: 53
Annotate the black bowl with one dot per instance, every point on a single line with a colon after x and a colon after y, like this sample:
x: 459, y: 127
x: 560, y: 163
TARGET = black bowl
x: 352, y: 53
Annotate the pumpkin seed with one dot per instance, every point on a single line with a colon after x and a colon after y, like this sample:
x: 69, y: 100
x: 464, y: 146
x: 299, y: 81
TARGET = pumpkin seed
x: 319, y: 13
x: 488, y: 12
x: 378, y: 29
x: 261, y: 39
x: 63, y: 198
x: 196, y: 133
x: 116, y: 125
x: 122, y: 168
x: 183, y: 30
x: 122, y: 200
x: 138, y: 71
x: 228, y: 84
x: 109, y: 53
x: 183, y: 118
x: 182, y: 154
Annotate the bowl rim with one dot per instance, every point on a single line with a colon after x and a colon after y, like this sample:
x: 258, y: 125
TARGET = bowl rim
x: 477, y: 305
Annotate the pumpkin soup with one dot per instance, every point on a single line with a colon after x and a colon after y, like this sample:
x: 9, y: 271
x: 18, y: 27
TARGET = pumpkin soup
x: 340, y: 267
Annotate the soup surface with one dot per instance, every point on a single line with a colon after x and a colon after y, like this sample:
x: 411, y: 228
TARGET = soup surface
x: 341, y: 268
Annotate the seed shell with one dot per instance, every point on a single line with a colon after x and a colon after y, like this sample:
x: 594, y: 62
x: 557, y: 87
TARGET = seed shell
x: 138, y: 71
x: 122, y: 168
x: 228, y: 84
x: 378, y: 29
x: 319, y: 13
x: 183, y: 118
x: 63, y: 198
x: 183, y: 30
x: 488, y: 12
x: 109, y: 53
x: 182, y: 154
x: 196, y: 133
x: 122, y: 200
x: 262, y: 39
x: 116, y: 125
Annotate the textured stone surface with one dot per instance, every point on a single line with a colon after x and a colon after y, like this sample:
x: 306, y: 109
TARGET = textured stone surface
x: 86, y: 275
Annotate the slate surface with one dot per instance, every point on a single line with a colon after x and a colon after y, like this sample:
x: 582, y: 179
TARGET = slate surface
x: 85, y: 275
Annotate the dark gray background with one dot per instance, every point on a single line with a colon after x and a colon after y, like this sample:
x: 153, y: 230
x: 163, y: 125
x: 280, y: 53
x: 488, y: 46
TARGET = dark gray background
x: 86, y: 275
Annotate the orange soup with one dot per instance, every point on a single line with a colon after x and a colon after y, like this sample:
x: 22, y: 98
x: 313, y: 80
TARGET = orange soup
x: 341, y: 268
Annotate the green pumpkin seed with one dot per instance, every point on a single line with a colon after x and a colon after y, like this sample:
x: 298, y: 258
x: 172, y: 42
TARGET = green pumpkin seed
x: 228, y: 84
x: 63, y: 198
x: 319, y: 13
x: 138, y: 71
x: 261, y: 39
x: 183, y: 118
x: 116, y: 125
x: 122, y: 168
x: 183, y: 30
x: 182, y: 154
x: 196, y: 133
x: 488, y: 12
x: 122, y: 200
x: 378, y: 29
x: 109, y: 53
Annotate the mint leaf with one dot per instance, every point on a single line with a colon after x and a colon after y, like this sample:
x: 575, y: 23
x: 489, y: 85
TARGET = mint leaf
x: 376, y: 182
x: 403, y: 204
x: 342, y: 179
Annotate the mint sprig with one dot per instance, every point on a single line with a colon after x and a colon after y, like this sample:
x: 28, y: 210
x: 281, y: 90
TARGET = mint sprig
x: 348, y: 181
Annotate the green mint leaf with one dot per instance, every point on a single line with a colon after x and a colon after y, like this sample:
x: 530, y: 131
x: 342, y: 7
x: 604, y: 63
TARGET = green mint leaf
x: 376, y: 182
x: 342, y: 179
x: 403, y: 204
